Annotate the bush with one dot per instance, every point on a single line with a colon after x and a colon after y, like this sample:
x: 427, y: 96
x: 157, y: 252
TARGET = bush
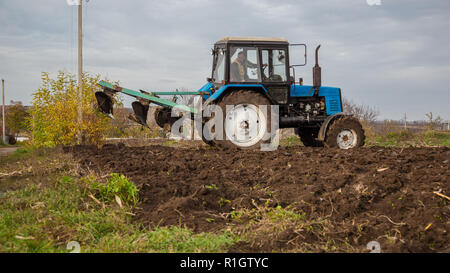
x: 365, y: 113
x: 117, y: 185
x: 54, y: 113
x: 15, y: 118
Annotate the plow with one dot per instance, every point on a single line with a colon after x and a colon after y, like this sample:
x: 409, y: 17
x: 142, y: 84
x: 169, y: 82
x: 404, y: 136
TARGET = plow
x: 249, y: 73
x: 140, y: 107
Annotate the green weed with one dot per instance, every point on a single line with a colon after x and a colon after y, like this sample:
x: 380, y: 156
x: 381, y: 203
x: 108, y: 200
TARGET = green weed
x: 117, y: 185
x: 212, y: 187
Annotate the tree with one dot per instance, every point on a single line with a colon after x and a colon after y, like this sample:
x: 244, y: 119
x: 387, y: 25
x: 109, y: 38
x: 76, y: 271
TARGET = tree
x: 53, y: 115
x: 15, y: 118
x: 365, y: 113
x: 433, y: 122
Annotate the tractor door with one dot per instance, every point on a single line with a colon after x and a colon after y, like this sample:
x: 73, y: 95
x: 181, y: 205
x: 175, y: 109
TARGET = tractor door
x: 275, y: 75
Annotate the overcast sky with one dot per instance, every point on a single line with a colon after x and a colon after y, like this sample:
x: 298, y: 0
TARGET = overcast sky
x: 394, y: 56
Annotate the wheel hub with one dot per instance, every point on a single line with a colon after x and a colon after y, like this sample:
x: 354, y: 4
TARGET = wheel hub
x: 245, y: 125
x: 346, y: 139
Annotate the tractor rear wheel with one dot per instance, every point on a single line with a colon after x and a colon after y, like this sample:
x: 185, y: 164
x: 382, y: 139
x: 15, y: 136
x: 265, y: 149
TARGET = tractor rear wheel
x: 345, y: 133
x: 245, y: 122
x: 308, y: 137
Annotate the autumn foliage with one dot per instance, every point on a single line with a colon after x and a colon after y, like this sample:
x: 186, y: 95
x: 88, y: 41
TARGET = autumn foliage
x: 53, y: 116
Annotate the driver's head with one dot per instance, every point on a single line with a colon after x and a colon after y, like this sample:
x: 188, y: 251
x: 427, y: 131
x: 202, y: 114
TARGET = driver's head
x: 241, y: 56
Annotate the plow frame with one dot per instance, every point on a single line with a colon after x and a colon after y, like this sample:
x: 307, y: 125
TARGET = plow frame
x: 153, y: 96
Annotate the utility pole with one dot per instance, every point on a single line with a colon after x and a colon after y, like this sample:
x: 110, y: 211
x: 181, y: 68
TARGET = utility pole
x: 3, y: 112
x: 404, y: 118
x: 80, y: 71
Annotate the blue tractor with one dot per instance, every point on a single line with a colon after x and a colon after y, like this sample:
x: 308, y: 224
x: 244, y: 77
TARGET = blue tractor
x: 248, y: 73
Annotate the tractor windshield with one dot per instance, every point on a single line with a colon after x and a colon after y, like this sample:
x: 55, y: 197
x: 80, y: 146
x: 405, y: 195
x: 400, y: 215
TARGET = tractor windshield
x: 244, y: 65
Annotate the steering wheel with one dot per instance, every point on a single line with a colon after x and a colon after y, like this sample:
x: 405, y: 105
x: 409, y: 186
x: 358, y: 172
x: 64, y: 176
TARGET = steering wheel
x: 275, y: 78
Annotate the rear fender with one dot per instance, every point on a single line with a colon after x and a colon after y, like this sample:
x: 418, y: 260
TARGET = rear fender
x: 226, y: 89
x: 326, y: 124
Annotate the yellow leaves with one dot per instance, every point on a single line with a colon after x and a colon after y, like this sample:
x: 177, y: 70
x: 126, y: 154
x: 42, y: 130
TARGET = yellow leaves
x: 54, y: 117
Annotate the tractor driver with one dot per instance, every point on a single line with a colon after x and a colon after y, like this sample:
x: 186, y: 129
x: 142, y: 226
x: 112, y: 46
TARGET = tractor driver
x: 239, y: 68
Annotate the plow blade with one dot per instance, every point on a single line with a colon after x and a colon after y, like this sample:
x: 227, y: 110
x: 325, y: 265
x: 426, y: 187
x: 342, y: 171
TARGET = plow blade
x: 105, y: 103
x: 140, y: 113
x: 163, y: 117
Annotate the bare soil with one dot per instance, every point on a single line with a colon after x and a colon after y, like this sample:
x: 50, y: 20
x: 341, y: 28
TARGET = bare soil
x: 366, y: 194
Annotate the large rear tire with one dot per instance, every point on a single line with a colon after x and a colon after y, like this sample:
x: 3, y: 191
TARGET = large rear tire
x: 245, y: 123
x: 345, y: 133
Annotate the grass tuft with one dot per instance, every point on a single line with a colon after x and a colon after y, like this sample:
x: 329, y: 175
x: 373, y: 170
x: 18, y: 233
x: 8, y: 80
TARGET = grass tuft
x: 117, y: 185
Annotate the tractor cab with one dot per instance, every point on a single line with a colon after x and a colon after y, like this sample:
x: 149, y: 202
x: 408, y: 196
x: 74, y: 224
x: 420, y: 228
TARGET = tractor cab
x: 241, y: 61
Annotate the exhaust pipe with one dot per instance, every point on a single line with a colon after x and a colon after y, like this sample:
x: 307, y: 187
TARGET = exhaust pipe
x: 317, y: 74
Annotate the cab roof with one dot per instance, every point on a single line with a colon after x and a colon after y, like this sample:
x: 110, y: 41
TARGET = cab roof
x: 252, y: 40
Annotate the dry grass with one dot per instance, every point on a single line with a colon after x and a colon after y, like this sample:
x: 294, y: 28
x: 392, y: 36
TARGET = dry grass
x: 278, y: 229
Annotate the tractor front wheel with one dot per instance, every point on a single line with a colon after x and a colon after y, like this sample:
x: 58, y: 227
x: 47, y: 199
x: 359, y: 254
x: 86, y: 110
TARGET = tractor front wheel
x: 345, y: 133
